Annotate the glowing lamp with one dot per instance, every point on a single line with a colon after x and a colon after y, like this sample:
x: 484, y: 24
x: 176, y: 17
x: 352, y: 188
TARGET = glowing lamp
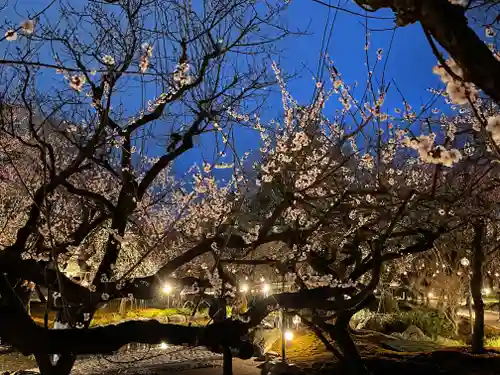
x: 244, y: 288
x: 167, y: 289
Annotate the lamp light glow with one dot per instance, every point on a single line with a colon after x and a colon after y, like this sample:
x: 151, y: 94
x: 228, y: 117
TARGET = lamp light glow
x: 244, y: 288
x: 167, y: 289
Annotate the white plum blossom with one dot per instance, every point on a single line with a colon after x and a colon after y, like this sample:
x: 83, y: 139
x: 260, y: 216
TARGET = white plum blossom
x: 181, y: 75
x: 10, y: 35
x: 429, y: 153
x: 108, y: 60
x: 489, y: 31
x: 28, y: 26
x: 461, y: 3
x: 77, y: 82
x: 493, y: 127
x: 147, y: 53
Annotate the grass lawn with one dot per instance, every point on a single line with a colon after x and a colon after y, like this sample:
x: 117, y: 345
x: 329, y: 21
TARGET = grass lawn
x: 103, y: 317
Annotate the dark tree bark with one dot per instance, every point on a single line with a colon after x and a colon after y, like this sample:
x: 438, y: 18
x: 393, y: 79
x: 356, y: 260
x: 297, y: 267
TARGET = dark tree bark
x: 62, y: 367
x: 218, y: 312
x: 32, y: 339
x: 227, y: 362
x: 352, y: 357
x: 448, y: 25
x: 342, y: 336
x: 476, y: 286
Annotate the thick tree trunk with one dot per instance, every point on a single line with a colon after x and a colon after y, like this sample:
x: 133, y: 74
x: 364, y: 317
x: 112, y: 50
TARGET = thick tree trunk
x: 227, y: 363
x: 47, y: 366
x: 448, y: 25
x: 469, y: 307
x: 476, y: 286
x: 218, y: 312
x: 352, y: 357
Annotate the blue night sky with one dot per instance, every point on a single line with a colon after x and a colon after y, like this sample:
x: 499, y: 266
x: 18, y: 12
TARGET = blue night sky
x: 409, y: 63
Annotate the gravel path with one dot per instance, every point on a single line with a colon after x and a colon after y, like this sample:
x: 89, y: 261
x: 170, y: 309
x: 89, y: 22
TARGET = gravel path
x: 146, y: 361
x: 240, y: 367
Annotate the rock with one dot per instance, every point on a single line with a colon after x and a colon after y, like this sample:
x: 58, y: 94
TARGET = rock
x: 405, y: 306
x: 266, y: 357
x: 177, y: 318
x: 414, y: 333
x: 263, y: 339
x: 270, y: 354
x: 372, y: 323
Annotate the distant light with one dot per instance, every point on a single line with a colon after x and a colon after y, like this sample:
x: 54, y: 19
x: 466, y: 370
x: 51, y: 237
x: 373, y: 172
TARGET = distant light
x: 497, y: 274
x: 486, y: 290
x: 163, y: 346
x: 262, y: 279
x: 430, y: 294
x: 464, y: 262
x: 167, y: 289
x: 296, y: 320
x: 244, y: 288
x: 288, y: 335
x: 266, y: 288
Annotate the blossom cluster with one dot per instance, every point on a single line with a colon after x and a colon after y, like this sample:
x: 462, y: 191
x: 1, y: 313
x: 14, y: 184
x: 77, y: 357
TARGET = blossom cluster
x: 429, y: 153
x: 458, y: 90
x: 27, y: 27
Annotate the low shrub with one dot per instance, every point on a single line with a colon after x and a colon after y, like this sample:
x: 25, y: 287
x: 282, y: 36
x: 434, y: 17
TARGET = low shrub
x: 432, y: 322
x: 492, y: 342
